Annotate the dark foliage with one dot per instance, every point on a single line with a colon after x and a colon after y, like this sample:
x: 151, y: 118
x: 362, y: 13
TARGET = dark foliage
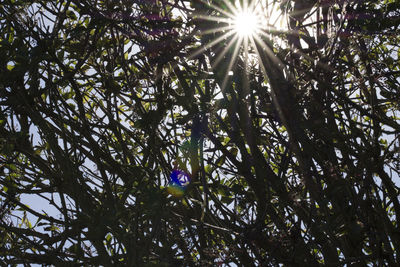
x: 292, y: 145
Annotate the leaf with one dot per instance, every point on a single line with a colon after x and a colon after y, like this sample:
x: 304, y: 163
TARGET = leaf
x: 52, y: 228
x: 86, y: 22
x: 108, y: 237
x: 226, y: 200
x: 234, y: 151
x: 10, y: 67
x: 71, y: 14
x: 221, y: 160
x: 75, y: 249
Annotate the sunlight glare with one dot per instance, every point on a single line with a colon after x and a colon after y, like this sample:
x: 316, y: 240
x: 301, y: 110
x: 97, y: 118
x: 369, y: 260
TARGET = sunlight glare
x: 241, y: 29
x: 246, y: 23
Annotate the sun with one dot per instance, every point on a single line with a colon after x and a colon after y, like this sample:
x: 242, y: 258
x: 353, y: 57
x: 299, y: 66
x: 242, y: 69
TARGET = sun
x: 241, y: 26
x: 246, y: 19
x: 246, y: 23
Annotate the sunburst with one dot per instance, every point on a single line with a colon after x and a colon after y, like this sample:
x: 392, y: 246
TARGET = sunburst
x: 241, y: 26
x: 247, y: 23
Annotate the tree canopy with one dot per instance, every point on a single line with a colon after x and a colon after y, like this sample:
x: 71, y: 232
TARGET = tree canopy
x: 290, y: 135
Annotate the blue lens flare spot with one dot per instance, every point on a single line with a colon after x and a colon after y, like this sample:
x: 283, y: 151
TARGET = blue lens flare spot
x: 179, y: 180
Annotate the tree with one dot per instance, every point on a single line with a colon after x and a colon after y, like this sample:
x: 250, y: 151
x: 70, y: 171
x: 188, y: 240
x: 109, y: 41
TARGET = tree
x: 290, y: 136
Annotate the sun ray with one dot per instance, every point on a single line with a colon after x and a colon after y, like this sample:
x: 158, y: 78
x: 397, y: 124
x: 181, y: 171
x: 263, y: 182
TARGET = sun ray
x: 267, y: 49
x: 226, y: 49
x: 246, y: 49
x: 230, y: 6
x: 216, y: 8
x: 286, y: 32
x: 265, y: 73
x: 210, y: 18
x: 263, y: 46
x: 209, y: 45
x: 231, y: 62
x: 216, y: 30
x: 246, y: 65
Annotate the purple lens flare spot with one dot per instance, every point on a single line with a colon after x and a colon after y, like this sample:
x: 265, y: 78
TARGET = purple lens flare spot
x: 179, y: 178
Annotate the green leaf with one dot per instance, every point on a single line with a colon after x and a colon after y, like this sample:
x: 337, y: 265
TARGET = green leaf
x: 71, y: 14
x: 221, y: 160
x: 108, y: 237
x: 10, y: 67
x: 86, y: 22
x: 52, y: 228
x: 227, y: 200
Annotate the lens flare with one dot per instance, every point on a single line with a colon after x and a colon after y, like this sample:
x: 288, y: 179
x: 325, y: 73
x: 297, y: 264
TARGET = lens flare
x: 176, y: 190
x: 179, y: 180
